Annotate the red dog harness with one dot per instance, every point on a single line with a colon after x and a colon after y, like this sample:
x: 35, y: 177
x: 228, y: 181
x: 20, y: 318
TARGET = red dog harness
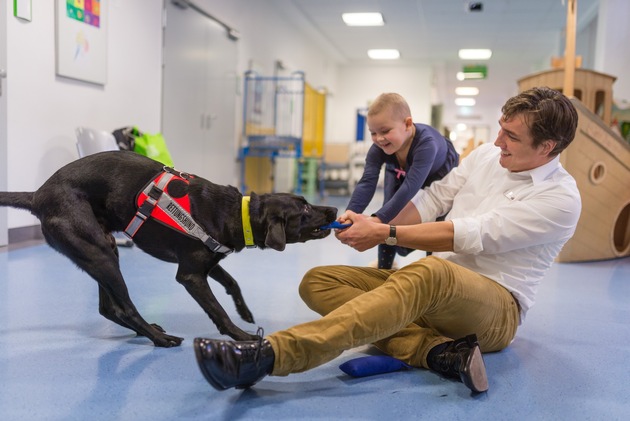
x: 155, y: 201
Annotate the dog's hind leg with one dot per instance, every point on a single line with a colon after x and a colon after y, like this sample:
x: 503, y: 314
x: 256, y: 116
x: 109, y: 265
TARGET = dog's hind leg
x: 81, y: 239
x: 107, y: 309
x: 231, y: 287
x: 196, y: 283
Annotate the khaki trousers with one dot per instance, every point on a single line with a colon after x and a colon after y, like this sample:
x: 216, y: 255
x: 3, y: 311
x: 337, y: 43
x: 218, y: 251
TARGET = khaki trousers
x: 405, y: 313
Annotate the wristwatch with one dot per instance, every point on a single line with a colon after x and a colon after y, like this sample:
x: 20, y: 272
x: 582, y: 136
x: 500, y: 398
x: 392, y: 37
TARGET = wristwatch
x: 391, y: 240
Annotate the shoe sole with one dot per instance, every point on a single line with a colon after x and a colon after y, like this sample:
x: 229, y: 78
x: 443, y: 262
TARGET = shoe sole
x: 474, y: 374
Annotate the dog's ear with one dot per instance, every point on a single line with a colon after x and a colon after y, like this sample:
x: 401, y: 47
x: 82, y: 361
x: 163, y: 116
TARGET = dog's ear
x: 276, y: 238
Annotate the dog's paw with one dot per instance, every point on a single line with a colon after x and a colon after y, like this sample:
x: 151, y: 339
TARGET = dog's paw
x: 167, y: 341
x: 245, y: 314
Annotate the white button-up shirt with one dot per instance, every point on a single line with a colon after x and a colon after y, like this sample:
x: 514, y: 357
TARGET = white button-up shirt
x: 508, y: 226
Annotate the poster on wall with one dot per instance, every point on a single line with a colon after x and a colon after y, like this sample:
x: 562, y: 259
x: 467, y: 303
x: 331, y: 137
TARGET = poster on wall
x: 81, y: 43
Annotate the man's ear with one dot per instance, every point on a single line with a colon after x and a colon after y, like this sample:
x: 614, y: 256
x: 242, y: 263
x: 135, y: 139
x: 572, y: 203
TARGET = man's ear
x: 276, y: 238
x: 548, y: 146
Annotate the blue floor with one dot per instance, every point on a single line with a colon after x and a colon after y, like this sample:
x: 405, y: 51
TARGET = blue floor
x: 60, y: 360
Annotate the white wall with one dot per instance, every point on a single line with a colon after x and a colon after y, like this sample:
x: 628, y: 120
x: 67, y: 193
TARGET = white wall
x: 44, y: 109
x: 4, y: 238
x: 612, y: 51
x: 359, y: 85
x: 270, y: 31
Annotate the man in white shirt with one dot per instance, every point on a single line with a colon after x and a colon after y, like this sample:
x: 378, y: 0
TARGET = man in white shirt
x: 511, y: 207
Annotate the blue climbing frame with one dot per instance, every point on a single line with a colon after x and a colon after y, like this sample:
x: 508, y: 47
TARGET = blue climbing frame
x: 273, y: 120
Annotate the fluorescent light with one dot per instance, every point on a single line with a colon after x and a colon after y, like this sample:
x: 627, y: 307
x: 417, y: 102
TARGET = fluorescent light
x: 384, y: 54
x: 460, y: 127
x: 475, y: 54
x: 363, y: 19
x: 465, y: 102
x: 466, y: 91
x: 470, y: 75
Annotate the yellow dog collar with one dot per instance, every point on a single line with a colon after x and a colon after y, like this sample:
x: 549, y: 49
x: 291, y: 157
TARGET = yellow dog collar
x: 247, y: 226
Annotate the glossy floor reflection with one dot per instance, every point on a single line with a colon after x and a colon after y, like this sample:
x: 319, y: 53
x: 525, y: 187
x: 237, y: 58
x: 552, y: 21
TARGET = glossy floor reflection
x: 60, y: 360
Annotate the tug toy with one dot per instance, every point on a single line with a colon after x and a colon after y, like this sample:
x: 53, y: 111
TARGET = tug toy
x: 334, y: 225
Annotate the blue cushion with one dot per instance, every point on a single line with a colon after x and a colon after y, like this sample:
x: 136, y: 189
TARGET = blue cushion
x: 376, y: 364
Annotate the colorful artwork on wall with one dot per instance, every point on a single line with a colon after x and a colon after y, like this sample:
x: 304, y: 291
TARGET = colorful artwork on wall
x: 82, y: 40
x: 87, y: 11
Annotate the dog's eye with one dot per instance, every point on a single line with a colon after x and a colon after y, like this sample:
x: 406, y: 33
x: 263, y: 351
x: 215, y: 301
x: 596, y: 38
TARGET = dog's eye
x: 307, y: 209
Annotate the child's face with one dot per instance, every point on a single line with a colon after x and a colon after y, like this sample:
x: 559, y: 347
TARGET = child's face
x: 388, y: 132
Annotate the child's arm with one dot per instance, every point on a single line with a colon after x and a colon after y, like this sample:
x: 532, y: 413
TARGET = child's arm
x: 423, y: 157
x: 365, y: 188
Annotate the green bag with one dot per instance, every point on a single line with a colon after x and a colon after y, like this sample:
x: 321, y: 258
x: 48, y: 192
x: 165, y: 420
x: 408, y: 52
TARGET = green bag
x: 153, y: 146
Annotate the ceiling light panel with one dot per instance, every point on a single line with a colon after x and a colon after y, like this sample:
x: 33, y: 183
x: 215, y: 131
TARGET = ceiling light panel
x: 470, y: 75
x: 363, y: 19
x: 475, y: 54
x: 465, y: 102
x: 466, y: 91
x: 384, y: 54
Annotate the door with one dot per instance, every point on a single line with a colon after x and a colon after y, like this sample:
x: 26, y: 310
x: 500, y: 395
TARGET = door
x: 199, y: 95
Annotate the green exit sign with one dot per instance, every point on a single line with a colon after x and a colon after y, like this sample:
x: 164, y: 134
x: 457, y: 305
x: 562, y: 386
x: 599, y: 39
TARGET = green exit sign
x: 475, y: 71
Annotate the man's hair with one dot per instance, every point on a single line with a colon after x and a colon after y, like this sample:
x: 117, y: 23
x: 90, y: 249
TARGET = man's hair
x: 549, y: 115
x: 394, y: 102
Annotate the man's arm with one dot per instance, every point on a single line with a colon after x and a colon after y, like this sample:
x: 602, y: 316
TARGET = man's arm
x: 430, y: 236
x: 409, y: 215
x: 365, y: 233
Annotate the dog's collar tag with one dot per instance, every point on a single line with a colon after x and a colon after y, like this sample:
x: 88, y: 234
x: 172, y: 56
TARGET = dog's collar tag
x: 247, y: 226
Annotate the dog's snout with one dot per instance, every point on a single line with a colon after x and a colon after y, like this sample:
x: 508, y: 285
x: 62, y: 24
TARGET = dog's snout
x: 331, y: 213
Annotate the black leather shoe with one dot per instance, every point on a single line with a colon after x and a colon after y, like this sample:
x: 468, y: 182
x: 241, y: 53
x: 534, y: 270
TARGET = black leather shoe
x: 227, y: 364
x: 462, y: 360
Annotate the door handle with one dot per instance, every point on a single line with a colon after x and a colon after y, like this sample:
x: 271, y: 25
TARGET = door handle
x: 3, y: 74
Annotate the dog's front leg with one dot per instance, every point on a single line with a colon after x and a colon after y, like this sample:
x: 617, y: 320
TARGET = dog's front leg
x: 197, y: 286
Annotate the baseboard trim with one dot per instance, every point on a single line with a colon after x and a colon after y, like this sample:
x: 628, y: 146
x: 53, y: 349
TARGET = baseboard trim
x: 24, y: 234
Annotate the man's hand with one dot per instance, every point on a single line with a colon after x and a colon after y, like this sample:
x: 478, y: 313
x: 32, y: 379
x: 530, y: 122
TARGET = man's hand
x: 364, y: 233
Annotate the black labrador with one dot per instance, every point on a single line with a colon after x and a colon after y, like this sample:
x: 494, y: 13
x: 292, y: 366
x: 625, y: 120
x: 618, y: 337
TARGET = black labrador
x: 85, y: 201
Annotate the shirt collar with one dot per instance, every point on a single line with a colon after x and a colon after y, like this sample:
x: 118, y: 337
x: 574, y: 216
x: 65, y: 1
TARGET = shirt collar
x: 541, y: 173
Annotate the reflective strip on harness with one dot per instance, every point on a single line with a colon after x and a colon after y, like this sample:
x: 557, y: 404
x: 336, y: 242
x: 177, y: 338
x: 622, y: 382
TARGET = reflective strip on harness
x: 153, y: 192
x: 174, y: 213
x: 188, y: 224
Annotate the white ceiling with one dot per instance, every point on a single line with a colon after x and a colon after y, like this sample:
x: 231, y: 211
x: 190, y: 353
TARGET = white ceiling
x: 523, y: 35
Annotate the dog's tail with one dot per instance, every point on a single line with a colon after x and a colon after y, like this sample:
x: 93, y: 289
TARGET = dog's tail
x: 21, y: 200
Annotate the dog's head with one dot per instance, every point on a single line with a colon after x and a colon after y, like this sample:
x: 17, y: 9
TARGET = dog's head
x: 279, y: 219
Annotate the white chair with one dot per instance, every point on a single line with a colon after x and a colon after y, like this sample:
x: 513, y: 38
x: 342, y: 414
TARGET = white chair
x: 90, y: 141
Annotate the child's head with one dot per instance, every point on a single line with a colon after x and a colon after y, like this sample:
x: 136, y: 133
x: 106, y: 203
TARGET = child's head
x: 389, y: 121
x: 391, y: 103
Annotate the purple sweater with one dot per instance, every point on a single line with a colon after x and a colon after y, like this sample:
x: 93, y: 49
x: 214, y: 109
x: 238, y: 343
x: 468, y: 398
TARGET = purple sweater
x: 431, y: 156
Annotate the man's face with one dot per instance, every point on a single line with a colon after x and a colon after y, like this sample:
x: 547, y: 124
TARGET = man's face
x: 516, y: 143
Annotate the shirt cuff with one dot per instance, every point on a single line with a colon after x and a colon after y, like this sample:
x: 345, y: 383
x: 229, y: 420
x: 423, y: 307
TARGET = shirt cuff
x: 466, y: 236
x: 420, y: 205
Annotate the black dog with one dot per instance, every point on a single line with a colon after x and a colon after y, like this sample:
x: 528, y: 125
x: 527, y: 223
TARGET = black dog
x: 84, y: 202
